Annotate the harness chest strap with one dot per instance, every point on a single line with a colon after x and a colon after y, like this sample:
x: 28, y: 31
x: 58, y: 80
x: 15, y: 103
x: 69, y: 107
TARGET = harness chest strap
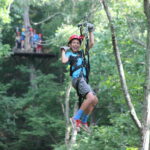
x: 73, y: 63
x: 77, y: 67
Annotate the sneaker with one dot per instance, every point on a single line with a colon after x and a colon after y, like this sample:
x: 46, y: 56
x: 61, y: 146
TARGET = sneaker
x: 76, y: 124
x: 85, y: 127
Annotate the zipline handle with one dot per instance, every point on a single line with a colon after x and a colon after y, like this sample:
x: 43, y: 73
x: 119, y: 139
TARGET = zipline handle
x: 83, y: 29
x: 80, y: 26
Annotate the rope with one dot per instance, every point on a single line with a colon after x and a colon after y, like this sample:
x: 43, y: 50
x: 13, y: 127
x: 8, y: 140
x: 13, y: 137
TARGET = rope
x: 85, y: 46
x: 85, y: 18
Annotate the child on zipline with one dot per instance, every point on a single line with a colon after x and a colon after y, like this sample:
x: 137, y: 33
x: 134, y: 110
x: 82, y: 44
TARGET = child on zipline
x: 78, y: 71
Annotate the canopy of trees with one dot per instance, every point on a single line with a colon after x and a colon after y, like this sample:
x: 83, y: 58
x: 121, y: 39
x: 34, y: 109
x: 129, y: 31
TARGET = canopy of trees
x: 33, y: 99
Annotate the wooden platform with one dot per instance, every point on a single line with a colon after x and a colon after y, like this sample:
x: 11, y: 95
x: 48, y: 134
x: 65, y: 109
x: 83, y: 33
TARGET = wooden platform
x: 33, y: 54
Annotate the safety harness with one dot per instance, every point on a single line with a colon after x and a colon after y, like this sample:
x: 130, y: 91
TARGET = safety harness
x: 73, y: 62
x: 85, y: 64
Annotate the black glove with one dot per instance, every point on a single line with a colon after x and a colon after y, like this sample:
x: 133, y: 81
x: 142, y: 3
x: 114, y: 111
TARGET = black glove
x: 64, y: 48
x: 90, y: 27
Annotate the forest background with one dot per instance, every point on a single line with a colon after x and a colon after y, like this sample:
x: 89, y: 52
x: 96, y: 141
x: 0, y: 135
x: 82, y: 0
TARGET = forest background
x: 33, y: 91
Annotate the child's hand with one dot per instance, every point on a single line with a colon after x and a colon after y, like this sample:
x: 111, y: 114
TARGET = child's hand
x: 64, y: 48
x: 90, y: 27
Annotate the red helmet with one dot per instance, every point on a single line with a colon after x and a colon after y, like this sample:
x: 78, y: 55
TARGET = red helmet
x: 80, y: 38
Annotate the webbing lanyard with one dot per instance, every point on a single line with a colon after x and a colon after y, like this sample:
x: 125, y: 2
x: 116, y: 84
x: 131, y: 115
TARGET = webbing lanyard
x: 85, y: 45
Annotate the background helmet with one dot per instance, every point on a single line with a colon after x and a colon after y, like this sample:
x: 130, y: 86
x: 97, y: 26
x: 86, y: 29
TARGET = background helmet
x: 31, y: 29
x: 23, y: 29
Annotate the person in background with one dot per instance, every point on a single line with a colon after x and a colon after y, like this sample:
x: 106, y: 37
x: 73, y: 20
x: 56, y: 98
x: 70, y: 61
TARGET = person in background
x: 18, y: 40
x: 35, y: 40
x: 31, y: 37
x: 39, y: 46
x: 23, y: 38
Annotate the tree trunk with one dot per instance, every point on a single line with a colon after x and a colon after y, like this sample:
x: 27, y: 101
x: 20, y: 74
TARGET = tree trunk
x: 74, y: 132
x: 32, y: 76
x: 27, y: 25
x: 68, y: 128
x: 146, y: 128
x: 69, y: 140
x: 120, y: 68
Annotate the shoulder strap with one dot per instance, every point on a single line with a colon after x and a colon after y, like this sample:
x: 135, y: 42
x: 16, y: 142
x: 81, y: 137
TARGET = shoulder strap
x: 73, y: 62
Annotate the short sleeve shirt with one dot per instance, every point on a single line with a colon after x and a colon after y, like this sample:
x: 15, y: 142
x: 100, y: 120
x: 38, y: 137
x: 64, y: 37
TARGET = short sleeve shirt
x: 76, y: 73
x: 35, y: 37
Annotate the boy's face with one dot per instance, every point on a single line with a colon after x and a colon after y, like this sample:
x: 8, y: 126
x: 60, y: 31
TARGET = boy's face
x: 75, y: 45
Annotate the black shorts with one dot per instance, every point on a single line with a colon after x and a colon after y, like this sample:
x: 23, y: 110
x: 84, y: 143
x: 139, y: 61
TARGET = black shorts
x: 83, y: 87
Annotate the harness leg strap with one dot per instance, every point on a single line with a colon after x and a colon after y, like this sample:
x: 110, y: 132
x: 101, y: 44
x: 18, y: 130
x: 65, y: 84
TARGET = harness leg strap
x: 79, y: 95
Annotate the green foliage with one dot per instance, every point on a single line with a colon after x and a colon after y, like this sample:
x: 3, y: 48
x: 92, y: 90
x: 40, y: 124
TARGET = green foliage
x: 132, y: 148
x: 31, y: 112
x: 5, y: 10
x: 4, y: 18
x: 35, y: 115
x: 42, y: 116
x: 4, y: 50
x: 117, y: 136
x: 63, y: 33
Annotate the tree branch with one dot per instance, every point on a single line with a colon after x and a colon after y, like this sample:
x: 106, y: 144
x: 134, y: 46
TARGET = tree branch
x: 68, y: 129
x: 133, y: 37
x: 146, y: 7
x: 120, y: 68
x: 67, y: 102
x: 138, y: 42
x: 74, y: 131
x: 9, y: 5
x: 146, y: 128
x: 48, y: 18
